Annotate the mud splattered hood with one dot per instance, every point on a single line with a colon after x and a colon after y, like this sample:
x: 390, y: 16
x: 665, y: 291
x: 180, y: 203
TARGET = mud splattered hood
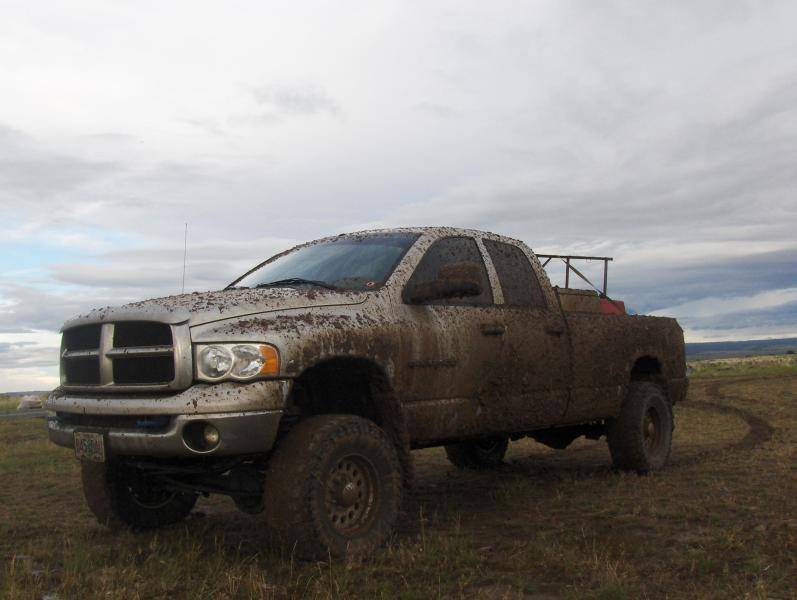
x: 200, y: 308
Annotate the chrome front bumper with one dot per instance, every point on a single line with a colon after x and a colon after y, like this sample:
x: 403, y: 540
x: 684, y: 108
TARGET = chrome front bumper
x: 240, y: 433
x: 247, y: 417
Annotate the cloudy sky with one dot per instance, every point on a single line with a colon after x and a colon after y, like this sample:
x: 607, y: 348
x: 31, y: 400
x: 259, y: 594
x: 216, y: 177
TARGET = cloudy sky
x: 661, y: 133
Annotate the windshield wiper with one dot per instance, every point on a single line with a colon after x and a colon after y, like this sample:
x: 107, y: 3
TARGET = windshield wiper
x: 298, y: 281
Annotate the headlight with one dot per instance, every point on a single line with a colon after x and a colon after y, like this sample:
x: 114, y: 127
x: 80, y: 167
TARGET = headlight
x: 215, y: 361
x: 248, y: 361
x: 239, y: 362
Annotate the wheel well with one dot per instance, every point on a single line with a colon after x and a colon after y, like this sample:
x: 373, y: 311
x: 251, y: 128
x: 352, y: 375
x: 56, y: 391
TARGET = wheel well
x: 646, y: 368
x: 338, y: 386
x: 355, y: 386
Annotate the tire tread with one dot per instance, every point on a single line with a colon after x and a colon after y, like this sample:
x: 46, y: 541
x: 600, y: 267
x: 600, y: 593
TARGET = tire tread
x: 294, y: 466
x: 624, y: 434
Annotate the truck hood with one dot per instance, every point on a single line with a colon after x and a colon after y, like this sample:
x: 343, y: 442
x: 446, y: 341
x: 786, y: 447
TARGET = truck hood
x: 200, y: 308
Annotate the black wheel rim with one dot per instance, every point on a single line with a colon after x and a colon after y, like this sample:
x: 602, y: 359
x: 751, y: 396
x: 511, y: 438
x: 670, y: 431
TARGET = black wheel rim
x: 351, y: 495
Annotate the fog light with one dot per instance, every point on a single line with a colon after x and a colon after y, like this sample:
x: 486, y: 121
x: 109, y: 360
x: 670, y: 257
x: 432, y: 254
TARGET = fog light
x: 201, y: 437
x: 211, y: 435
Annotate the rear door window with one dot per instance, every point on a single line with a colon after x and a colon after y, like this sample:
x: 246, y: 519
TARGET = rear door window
x: 518, y: 280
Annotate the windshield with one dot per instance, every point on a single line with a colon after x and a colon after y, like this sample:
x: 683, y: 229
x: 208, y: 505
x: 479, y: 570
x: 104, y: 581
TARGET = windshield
x: 357, y: 262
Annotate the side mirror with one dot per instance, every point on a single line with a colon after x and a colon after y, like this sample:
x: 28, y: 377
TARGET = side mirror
x: 454, y: 280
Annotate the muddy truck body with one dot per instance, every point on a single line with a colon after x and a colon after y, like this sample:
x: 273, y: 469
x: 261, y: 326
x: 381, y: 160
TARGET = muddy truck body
x: 301, y: 389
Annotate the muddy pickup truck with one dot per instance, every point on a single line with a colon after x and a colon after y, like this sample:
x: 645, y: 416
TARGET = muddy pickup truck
x: 301, y: 389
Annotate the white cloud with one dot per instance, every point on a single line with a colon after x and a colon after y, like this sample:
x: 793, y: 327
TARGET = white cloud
x: 28, y: 379
x: 295, y: 100
x: 660, y: 133
x: 711, y: 307
x: 739, y: 334
x: 28, y: 361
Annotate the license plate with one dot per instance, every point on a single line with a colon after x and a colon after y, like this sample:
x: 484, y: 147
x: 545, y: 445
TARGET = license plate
x: 89, y: 446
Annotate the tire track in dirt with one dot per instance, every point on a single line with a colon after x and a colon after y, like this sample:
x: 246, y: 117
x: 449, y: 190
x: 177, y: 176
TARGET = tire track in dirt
x: 759, y: 431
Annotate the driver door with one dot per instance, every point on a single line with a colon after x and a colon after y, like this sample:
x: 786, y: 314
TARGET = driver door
x: 453, y: 370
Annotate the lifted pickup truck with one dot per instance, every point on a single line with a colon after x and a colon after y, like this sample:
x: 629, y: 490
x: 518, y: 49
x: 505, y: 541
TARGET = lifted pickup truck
x: 300, y: 389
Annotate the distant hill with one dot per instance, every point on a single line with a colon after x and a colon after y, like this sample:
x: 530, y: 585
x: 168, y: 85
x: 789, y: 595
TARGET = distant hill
x: 738, y: 349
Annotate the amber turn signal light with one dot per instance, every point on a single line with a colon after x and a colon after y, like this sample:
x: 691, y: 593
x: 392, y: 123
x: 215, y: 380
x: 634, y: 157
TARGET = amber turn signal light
x: 271, y: 360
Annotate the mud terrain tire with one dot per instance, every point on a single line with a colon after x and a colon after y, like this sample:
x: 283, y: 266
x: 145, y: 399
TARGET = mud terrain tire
x: 120, y: 497
x: 640, y: 438
x: 333, y: 487
x: 479, y: 454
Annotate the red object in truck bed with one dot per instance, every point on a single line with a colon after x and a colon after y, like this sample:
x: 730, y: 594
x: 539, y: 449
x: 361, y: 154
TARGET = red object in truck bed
x: 612, y: 307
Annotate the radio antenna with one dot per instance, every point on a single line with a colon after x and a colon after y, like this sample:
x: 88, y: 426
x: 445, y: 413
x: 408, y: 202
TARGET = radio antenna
x: 185, y: 251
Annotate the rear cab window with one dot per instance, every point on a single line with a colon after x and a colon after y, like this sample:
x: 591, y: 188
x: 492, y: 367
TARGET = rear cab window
x: 518, y: 281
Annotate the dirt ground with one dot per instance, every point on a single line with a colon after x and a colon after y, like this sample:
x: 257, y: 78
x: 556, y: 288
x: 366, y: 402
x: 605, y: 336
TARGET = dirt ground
x: 719, y: 522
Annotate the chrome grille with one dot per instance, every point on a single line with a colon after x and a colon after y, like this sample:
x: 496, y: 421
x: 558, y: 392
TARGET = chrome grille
x: 125, y: 355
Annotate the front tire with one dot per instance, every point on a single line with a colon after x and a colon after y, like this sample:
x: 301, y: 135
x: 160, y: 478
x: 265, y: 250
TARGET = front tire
x: 121, y: 496
x: 333, y: 487
x: 640, y: 438
x: 487, y: 453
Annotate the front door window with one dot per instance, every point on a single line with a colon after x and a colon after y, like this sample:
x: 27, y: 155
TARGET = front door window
x: 452, y: 252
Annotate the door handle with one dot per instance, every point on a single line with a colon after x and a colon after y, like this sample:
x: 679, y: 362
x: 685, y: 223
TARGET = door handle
x: 494, y: 329
x: 557, y: 331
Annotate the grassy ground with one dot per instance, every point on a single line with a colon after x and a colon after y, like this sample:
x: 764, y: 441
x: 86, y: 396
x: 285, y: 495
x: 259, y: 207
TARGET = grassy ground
x: 719, y: 522
x: 750, y: 366
x: 10, y: 403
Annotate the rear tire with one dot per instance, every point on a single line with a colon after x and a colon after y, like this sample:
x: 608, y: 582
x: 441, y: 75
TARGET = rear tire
x: 640, y: 438
x: 333, y: 487
x: 486, y: 453
x: 121, y: 496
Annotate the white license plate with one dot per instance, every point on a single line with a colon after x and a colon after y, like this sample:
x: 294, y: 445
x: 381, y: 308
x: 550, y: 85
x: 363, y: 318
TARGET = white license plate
x: 89, y: 446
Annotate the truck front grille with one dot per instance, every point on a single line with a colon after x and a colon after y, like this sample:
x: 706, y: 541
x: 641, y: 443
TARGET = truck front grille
x: 150, y: 369
x: 86, y: 337
x: 82, y: 371
x: 127, y: 353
